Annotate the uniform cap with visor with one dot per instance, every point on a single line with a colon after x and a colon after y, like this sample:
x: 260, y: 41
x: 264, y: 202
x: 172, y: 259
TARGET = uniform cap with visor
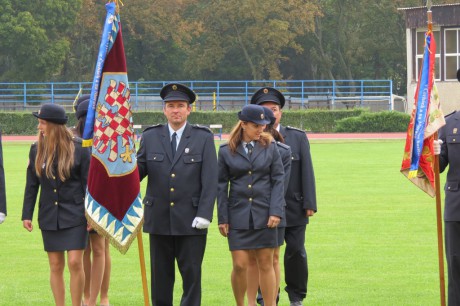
x: 177, y: 92
x: 268, y: 94
x: 253, y: 113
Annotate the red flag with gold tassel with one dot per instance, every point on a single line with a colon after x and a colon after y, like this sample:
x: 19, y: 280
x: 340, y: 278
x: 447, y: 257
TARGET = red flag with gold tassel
x: 426, y: 119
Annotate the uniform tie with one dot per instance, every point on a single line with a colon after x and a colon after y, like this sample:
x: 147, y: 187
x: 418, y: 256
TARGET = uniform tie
x: 249, y: 146
x: 173, y: 143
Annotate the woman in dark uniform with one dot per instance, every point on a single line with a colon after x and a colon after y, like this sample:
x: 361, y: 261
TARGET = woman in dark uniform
x: 97, y: 272
x: 253, y: 275
x: 58, y: 166
x: 250, y: 211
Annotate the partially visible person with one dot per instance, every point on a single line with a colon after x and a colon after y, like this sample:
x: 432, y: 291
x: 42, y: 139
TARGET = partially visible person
x: 180, y: 163
x: 252, y: 207
x: 253, y: 276
x: 300, y: 197
x: 2, y: 185
x: 97, y: 272
x: 448, y: 149
x: 58, y: 167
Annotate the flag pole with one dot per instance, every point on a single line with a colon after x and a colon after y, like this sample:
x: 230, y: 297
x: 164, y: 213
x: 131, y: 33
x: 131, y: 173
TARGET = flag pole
x: 143, y: 273
x: 442, y: 286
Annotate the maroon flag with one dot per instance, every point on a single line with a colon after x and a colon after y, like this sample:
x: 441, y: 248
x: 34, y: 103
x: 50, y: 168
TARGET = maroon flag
x: 113, y: 201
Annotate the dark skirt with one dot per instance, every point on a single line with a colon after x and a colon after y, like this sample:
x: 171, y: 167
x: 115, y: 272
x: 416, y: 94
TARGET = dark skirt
x: 72, y: 238
x: 281, y: 231
x: 252, y: 239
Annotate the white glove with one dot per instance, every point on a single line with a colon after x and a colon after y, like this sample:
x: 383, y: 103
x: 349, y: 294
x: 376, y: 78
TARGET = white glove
x: 437, y: 146
x: 200, y: 223
x: 2, y: 217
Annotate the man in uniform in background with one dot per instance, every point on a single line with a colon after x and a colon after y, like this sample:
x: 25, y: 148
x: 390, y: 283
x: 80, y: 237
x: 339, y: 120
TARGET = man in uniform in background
x: 2, y: 185
x: 300, y: 197
x: 448, y: 149
x: 179, y: 160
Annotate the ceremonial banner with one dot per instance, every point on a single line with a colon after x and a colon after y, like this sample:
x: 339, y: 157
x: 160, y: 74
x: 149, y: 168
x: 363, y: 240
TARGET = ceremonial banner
x: 426, y: 119
x: 113, y: 201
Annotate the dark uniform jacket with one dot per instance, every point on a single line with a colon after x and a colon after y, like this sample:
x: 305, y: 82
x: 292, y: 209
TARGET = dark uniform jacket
x: 450, y: 155
x: 2, y: 181
x: 285, y: 154
x: 301, y: 192
x: 61, y: 204
x: 256, y: 186
x: 179, y: 189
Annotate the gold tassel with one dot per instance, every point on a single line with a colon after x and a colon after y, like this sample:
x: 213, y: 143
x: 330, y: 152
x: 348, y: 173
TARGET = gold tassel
x: 412, y: 174
x: 76, y: 98
x: 117, y: 4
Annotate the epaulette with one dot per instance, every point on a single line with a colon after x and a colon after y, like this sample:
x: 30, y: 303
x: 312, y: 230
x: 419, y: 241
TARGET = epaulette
x: 77, y: 139
x: 152, y: 126
x: 202, y: 127
x: 448, y: 115
x: 294, y: 129
x: 283, y: 145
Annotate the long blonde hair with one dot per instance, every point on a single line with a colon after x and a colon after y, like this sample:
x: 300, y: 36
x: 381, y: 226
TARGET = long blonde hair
x: 236, y: 137
x: 56, y: 146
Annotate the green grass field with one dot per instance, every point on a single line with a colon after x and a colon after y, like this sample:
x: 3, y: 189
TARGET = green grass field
x: 372, y: 242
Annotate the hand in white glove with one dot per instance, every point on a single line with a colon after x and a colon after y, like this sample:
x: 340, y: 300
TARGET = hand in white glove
x: 200, y: 223
x: 2, y: 217
x: 437, y: 146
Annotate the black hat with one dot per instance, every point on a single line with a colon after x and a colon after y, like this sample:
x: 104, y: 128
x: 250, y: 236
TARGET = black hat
x: 458, y: 75
x: 268, y: 94
x: 177, y: 92
x: 253, y: 113
x: 269, y: 115
x: 82, y: 109
x: 52, y: 113
x: 81, y: 106
x: 81, y: 99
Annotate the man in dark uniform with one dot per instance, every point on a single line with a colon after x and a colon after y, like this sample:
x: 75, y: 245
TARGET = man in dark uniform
x: 180, y: 162
x: 2, y: 185
x: 448, y: 148
x: 300, y: 197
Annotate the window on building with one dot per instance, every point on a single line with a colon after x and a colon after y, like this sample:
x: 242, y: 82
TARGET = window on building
x: 452, y: 53
x: 420, y: 44
x: 447, y: 53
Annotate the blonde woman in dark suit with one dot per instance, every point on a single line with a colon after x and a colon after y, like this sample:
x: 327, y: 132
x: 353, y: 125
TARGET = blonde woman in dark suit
x: 251, y: 209
x: 58, y: 167
x: 253, y: 277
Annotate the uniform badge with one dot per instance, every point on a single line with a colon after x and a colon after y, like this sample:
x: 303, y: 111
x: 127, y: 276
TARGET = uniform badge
x: 174, y: 87
x: 265, y: 90
x: 455, y: 131
x: 262, y: 116
x: 187, y: 150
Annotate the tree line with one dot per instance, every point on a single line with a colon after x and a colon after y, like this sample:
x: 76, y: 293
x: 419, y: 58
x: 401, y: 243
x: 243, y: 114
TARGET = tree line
x: 57, y: 40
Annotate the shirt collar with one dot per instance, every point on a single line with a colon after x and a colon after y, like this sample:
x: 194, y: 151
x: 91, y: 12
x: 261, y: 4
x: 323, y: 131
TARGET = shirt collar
x: 244, y: 143
x: 179, y: 132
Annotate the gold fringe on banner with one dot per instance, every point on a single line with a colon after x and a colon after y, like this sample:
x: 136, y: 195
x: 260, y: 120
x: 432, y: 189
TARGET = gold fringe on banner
x: 122, y: 248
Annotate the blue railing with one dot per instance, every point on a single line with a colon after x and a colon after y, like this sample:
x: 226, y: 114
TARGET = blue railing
x: 214, y: 95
